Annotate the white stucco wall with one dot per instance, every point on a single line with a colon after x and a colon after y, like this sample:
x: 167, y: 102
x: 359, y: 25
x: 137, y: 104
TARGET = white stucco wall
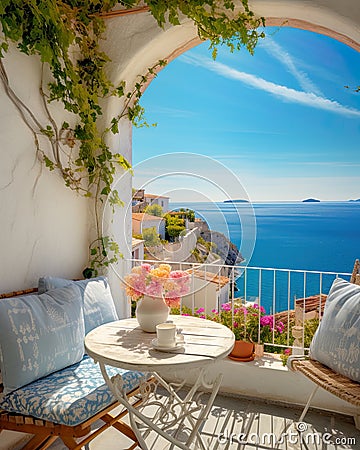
x: 266, y: 378
x: 119, y: 224
x: 43, y: 225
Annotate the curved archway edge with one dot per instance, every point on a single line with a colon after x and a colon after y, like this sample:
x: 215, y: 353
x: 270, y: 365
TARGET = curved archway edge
x: 280, y: 22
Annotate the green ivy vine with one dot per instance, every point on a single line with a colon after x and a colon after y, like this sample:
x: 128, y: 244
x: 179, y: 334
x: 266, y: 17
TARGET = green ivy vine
x: 66, y: 35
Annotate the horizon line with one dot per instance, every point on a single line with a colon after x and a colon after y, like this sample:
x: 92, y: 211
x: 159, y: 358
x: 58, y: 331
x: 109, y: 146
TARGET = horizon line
x: 273, y: 201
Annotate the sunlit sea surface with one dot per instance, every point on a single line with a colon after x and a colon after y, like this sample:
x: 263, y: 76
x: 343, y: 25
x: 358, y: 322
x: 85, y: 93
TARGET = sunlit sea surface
x: 322, y: 236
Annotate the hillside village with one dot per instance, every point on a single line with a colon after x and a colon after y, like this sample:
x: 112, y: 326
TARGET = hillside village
x: 160, y: 234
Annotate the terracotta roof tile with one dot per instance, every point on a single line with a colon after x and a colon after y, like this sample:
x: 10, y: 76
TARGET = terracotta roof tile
x: 312, y: 303
x: 155, y: 196
x: 209, y: 276
x: 143, y: 216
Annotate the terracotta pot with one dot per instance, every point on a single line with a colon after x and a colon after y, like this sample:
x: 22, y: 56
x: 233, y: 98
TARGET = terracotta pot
x: 243, y: 351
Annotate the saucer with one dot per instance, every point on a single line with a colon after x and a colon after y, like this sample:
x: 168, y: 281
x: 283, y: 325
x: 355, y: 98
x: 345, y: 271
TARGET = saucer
x: 178, y: 345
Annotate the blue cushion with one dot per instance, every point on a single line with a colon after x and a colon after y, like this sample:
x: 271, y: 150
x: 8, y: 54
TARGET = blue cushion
x: 99, y: 306
x: 69, y: 396
x: 40, y: 334
x: 336, y: 341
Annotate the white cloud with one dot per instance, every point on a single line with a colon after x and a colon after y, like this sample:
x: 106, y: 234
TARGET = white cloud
x: 283, y: 92
x: 173, y: 112
x: 287, y: 60
x: 251, y: 156
x: 336, y: 164
x: 246, y: 131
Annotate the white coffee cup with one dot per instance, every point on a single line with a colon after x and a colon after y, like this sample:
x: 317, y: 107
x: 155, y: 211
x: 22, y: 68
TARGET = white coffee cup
x: 166, y: 334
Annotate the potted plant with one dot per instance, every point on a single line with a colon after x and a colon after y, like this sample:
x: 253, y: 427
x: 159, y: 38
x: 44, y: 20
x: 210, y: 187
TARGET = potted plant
x: 155, y: 289
x: 250, y: 325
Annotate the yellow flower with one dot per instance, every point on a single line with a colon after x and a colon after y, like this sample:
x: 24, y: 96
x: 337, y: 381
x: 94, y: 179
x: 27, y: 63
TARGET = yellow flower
x: 161, y: 271
x: 165, y: 267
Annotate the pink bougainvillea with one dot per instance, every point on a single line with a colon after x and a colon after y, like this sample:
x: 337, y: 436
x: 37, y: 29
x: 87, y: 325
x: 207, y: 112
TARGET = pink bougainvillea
x: 248, y: 322
x: 158, y: 281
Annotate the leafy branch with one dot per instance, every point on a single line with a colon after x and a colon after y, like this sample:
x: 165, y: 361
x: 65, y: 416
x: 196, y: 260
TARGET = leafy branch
x: 216, y: 21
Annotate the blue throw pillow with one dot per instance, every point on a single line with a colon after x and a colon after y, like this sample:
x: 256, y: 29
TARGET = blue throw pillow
x: 336, y: 343
x: 40, y: 334
x: 98, y: 303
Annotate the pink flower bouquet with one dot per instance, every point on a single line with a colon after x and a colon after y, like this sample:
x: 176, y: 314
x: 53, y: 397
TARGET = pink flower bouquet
x: 158, y: 281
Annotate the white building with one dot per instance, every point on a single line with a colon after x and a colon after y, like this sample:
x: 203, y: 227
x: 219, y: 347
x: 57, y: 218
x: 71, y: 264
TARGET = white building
x: 151, y: 199
x: 137, y: 248
x: 208, y: 291
x: 141, y: 221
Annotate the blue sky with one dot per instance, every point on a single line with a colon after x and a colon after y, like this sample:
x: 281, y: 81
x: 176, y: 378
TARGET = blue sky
x: 280, y: 120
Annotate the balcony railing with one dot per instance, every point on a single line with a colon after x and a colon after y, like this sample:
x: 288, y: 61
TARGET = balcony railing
x: 294, y: 297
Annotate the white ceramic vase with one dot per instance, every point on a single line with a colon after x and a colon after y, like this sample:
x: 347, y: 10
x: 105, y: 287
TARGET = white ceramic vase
x: 150, y: 312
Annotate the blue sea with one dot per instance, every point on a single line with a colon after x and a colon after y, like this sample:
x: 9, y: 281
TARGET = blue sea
x: 319, y: 236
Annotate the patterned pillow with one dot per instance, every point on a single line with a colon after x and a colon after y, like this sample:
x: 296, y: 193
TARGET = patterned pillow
x: 40, y: 334
x: 336, y: 341
x: 98, y: 303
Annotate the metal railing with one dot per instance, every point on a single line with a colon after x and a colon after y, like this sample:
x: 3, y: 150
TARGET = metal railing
x: 296, y: 298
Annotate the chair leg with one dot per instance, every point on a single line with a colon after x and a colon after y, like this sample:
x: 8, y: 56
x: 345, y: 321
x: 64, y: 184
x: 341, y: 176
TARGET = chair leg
x: 40, y: 442
x: 357, y: 421
x: 69, y: 441
x: 303, y: 414
x: 50, y: 441
x: 120, y: 426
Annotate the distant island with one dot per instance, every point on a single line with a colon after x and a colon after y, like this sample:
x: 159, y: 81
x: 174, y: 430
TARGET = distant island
x: 311, y: 200
x: 357, y: 200
x: 236, y: 201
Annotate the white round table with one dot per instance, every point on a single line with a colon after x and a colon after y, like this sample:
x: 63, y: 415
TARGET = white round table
x: 123, y: 344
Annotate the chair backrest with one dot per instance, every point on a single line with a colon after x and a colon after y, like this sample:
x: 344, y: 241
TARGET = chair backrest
x: 355, y: 277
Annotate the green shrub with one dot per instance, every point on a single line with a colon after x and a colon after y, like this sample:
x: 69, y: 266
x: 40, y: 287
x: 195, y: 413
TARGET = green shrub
x: 154, y: 210
x: 151, y: 237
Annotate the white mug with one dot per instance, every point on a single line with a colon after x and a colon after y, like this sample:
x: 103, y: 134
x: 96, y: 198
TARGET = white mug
x: 166, y: 334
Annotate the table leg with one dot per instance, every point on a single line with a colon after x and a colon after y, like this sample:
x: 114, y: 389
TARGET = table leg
x: 175, y: 412
x: 187, y: 413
